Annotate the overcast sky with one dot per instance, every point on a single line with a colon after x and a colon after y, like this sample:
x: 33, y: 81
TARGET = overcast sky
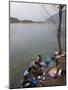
x: 32, y: 11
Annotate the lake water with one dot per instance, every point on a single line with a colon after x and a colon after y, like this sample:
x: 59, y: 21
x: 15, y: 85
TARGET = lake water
x: 29, y: 40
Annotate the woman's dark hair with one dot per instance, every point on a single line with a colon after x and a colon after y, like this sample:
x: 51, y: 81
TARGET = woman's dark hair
x: 29, y: 69
x: 39, y: 55
x: 40, y: 58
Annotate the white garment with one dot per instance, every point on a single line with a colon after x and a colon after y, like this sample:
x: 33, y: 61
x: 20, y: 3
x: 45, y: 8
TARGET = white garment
x: 26, y: 73
x: 59, y: 72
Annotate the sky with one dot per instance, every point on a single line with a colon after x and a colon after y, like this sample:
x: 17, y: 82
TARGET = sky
x: 32, y: 11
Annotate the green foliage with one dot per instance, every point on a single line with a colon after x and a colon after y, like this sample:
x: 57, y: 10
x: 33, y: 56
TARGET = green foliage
x: 15, y: 72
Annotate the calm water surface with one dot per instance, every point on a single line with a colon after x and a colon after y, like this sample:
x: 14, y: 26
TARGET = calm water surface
x: 29, y: 40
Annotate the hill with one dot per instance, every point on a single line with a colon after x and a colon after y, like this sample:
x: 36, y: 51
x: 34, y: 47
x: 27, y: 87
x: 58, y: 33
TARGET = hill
x: 13, y: 20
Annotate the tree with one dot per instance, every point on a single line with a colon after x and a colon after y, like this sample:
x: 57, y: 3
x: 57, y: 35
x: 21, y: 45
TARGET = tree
x: 60, y: 7
x: 59, y: 29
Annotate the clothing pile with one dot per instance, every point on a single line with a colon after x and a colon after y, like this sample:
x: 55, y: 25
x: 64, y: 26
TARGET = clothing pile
x: 34, y: 73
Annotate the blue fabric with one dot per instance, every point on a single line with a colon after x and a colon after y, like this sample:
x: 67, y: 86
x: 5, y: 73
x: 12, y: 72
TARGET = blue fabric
x: 34, y: 83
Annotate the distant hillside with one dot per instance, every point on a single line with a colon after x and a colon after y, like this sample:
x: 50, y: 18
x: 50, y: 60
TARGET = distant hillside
x: 13, y: 20
x: 16, y: 20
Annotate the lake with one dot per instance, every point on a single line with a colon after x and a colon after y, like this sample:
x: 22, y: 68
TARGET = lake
x: 29, y: 40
